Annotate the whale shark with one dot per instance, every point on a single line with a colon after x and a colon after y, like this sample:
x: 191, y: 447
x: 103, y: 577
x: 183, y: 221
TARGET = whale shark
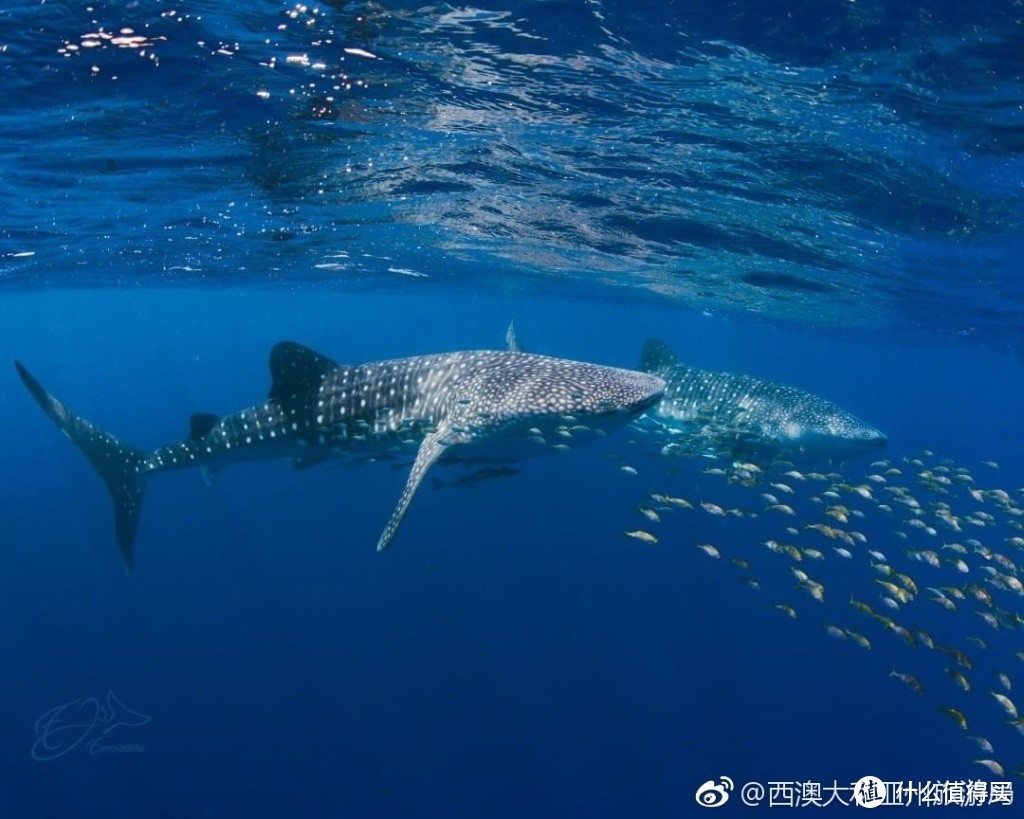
x: 707, y: 412
x: 471, y: 407
x: 729, y: 413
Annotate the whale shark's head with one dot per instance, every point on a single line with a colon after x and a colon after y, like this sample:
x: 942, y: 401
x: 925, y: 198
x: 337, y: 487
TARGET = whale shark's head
x: 846, y: 431
x: 856, y: 433
x: 826, y: 429
x: 497, y: 406
x: 750, y: 414
x: 499, y: 400
x: 520, y: 387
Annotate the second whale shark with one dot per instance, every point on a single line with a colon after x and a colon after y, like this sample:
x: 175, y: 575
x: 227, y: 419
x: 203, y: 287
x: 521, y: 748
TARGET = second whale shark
x: 478, y: 406
x: 711, y: 411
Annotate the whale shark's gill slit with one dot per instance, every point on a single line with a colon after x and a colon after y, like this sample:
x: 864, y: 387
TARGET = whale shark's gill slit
x: 382, y: 421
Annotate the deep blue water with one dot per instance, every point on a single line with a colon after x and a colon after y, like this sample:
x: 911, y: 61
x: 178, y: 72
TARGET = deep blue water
x: 825, y: 194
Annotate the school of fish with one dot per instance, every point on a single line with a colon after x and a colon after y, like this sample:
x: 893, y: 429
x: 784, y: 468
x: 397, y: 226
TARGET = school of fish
x: 906, y: 556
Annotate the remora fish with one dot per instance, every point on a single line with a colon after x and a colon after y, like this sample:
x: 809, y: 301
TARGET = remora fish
x: 465, y: 405
x: 475, y: 478
x: 743, y: 413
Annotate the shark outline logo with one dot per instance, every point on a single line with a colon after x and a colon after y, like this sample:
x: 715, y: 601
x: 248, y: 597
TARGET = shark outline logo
x: 82, y: 722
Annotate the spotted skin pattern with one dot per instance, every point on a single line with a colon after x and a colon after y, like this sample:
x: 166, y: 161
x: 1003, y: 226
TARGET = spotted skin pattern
x: 480, y: 405
x: 744, y: 413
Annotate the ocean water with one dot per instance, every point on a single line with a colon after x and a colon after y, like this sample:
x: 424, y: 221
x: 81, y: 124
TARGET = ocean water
x: 825, y: 194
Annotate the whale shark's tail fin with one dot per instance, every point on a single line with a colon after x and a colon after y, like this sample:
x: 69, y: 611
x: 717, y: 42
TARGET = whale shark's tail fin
x: 656, y: 355
x: 119, y: 465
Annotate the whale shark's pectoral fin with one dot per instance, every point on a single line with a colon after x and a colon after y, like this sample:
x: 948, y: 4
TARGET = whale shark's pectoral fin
x: 432, y: 448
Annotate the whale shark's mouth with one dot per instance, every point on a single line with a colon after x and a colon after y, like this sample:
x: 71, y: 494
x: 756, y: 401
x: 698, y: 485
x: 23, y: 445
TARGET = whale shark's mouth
x: 630, y: 410
x: 825, y: 444
x: 641, y: 407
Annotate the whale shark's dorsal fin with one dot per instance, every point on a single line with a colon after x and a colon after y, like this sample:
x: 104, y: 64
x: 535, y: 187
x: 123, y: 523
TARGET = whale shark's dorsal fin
x: 511, y: 340
x: 656, y: 355
x: 296, y: 370
x: 200, y: 424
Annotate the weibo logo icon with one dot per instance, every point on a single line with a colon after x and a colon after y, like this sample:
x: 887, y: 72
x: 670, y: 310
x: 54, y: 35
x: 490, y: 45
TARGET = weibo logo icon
x: 714, y: 794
